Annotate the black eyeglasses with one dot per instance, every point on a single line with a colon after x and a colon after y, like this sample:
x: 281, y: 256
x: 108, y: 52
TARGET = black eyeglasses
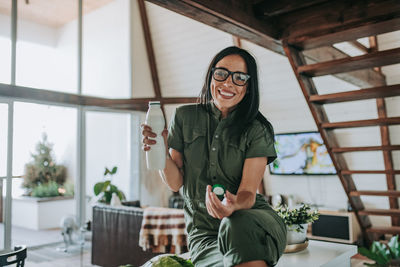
x: 238, y: 78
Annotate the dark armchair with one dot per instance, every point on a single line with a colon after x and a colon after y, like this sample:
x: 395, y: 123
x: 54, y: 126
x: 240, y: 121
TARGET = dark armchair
x: 115, y: 239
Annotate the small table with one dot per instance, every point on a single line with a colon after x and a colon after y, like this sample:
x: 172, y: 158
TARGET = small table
x: 320, y: 253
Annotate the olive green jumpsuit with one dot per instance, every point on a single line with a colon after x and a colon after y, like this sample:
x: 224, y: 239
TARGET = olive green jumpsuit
x: 210, y: 157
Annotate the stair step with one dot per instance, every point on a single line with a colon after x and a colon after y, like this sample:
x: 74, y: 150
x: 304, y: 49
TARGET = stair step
x: 380, y: 212
x: 369, y: 93
x: 374, y: 59
x: 385, y: 230
x: 344, y: 172
x: 365, y: 148
x: 361, y: 123
x: 388, y: 193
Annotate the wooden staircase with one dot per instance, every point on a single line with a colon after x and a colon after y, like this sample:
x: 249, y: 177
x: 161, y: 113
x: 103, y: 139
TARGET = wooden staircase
x: 304, y: 73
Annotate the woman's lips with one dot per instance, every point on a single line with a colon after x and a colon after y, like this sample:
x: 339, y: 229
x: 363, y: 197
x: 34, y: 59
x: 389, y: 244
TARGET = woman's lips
x: 225, y: 94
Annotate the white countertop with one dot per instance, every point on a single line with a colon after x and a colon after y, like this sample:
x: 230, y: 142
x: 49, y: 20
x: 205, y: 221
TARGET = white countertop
x: 320, y: 253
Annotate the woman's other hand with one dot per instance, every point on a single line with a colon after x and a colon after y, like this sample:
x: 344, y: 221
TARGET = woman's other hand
x: 217, y: 208
x: 148, y: 134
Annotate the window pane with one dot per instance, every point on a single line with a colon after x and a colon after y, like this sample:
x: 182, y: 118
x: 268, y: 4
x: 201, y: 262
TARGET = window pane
x: 106, y: 67
x: 3, y: 138
x: 31, y: 122
x: 3, y: 165
x: 5, y: 41
x: 47, y: 45
x: 107, y: 146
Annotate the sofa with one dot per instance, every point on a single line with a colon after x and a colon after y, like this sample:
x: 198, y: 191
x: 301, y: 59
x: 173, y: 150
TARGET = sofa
x: 115, y: 236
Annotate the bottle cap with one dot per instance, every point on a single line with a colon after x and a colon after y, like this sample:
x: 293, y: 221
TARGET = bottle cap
x: 152, y: 103
x: 219, y: 190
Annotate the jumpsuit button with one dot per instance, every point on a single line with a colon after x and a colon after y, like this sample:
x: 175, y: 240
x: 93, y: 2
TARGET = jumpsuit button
x: 216, y: 136
x: 212, y: 164
x: 213, y: 149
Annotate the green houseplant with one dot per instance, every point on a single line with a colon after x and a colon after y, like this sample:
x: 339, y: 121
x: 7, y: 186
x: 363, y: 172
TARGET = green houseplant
x: 43, y: 177
x: 384, y: 255
x: 297, y: 220
x: 105, y: 189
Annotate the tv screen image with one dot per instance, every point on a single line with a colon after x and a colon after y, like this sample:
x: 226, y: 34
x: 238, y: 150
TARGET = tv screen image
x: 301, y: 153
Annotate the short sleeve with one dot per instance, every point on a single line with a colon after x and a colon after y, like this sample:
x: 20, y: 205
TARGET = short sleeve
x: 260, y: 144
x: 175, y: 135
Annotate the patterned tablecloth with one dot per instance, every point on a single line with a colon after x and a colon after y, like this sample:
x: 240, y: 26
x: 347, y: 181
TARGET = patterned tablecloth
x: 163, y: 230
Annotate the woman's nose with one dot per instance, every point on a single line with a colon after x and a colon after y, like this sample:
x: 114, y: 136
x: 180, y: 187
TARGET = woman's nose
x: 229, y: 81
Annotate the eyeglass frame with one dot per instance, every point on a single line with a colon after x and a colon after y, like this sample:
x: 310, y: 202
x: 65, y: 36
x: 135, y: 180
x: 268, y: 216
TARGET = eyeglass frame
x: 230, y: 73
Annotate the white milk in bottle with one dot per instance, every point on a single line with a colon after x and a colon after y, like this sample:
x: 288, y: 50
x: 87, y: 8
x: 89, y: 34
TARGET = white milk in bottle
x: 155, y: 157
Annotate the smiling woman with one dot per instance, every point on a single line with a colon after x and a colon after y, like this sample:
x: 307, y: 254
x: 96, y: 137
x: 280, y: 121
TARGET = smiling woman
x: 224, y: 141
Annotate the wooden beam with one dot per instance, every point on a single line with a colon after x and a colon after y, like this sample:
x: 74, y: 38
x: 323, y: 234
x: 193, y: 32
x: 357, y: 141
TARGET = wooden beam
x: 370, y: 172
x: 359, y: 46
x: 338, y: 21
x: 126, y: 103
x: 273, y: 8
x: 361, y: 123
x: 385, y: 230
x: 369, y: 93
x: 236, y: 41
x: 391, y: 193
x: 380, y: 212
x: 149, y: 48
x: 387, y: 157
x: 361, y: 78
x: 231, y: 16
x: 375, y: 59
x: 373, y: 47
x: 20, y: 92
x: 241, y: 23
x: 365, y: 148
x: 53, y: 97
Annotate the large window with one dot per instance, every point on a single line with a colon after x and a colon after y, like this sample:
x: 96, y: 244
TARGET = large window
x: 108, y: 145
x: 106, y: 52
x: 44, y: 140
x: 47, y: 58
x: 5, y: 42
x: 47, y: 45
x: 31, y: 123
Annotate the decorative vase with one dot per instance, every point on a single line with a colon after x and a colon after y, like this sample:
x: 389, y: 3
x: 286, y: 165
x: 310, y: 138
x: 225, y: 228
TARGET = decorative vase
x: 295, y: 237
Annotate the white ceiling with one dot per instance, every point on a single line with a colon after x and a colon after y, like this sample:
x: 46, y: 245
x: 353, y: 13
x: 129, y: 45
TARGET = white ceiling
x: 54, y: 13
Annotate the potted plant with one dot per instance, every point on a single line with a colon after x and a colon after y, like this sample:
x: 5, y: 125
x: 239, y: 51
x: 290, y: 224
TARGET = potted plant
x: 384, y: 255
x: 104, y: 190
x: 297, y: 220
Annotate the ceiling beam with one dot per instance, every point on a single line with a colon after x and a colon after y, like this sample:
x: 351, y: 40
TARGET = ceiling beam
x: 54, y: 98
x: 278, y: 7
x: 338, y: 21
x: 231, y: 16
x: 223, y: 16
x: 149, y: 48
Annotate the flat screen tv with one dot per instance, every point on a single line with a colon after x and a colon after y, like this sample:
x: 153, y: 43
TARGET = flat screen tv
x: 301, y: 154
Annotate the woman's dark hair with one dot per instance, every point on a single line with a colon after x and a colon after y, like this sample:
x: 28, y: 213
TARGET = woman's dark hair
x: 247, y: 109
